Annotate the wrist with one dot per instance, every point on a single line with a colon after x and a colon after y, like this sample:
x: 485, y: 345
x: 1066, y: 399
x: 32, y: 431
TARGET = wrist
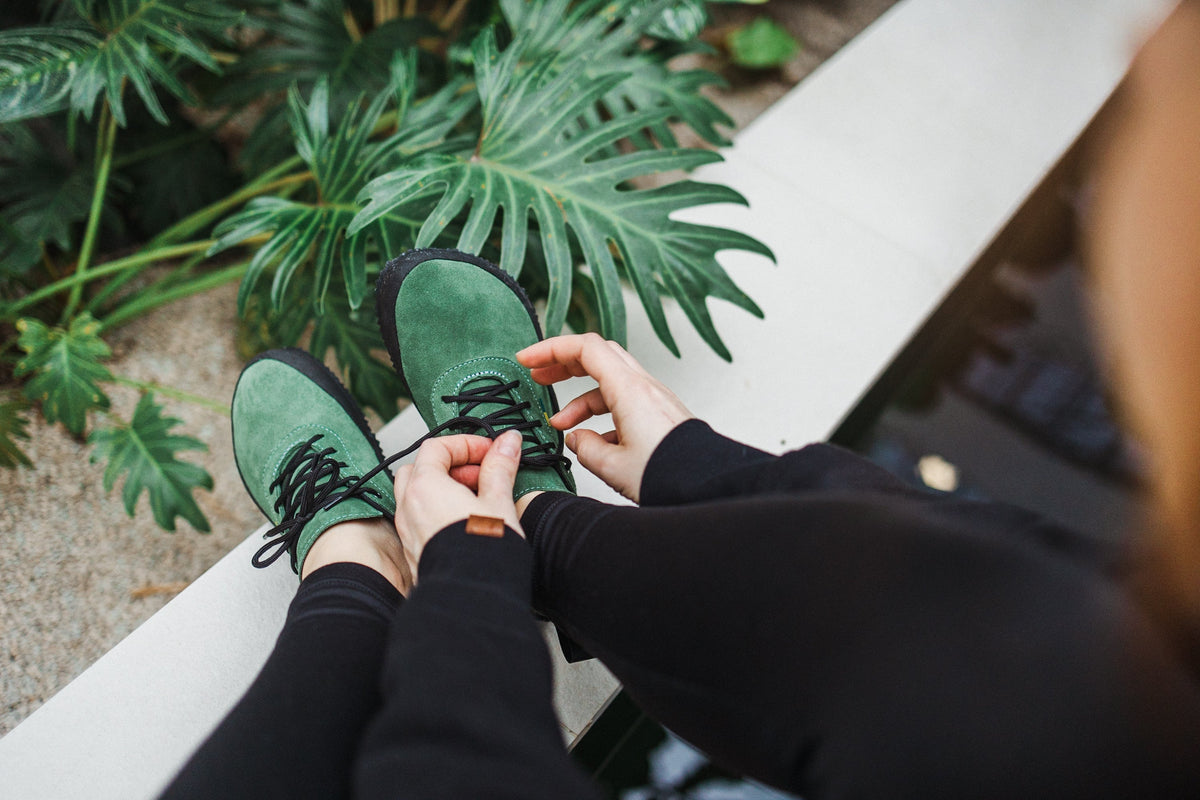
x: 501, y: 561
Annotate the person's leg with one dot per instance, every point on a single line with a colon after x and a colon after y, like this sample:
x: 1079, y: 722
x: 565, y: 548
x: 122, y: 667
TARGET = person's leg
x: 310, y: 462
x: 840, y: 646
x: 296, y: 731
x: 466, y: 709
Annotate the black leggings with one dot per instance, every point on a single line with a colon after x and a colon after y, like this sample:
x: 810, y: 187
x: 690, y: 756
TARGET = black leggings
x: 814, y: 625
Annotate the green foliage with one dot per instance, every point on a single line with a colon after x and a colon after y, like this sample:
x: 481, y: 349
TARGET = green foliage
x: 682, y: 21
x: 309, y: 43
x: 605, y: 38
x: 522, y: 165
x: 761, y: 44
x: 13, y: 426
x: 36, y: 67
x: 65, y: 368
x: 44, y: 195
x: 353, y: 336
x: 48, y: 68
x: 341, y: 164
x: 144, y: 452
x: 316, y: 152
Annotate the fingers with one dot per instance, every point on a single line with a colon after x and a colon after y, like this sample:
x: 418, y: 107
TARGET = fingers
x: 498, y: 471
x: 625, y: 356
x: 591, y: 448
x: 587, y: 405
x: 547, y: 376
x: 555, y: 359
x: 442, y: 453
x: 468, y: 476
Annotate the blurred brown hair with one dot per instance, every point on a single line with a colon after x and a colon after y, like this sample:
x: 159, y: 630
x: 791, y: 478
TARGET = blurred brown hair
x: 1144, y: 252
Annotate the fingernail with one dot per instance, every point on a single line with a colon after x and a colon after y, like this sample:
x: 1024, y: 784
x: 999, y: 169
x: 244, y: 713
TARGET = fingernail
x: 571, y: 440
x: 509, y: 444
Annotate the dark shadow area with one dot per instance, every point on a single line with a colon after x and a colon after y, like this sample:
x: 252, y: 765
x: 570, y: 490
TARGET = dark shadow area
x: 1001, y: 396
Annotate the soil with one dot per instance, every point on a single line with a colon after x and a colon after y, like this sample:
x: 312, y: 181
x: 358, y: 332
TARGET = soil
x: 77, y: 574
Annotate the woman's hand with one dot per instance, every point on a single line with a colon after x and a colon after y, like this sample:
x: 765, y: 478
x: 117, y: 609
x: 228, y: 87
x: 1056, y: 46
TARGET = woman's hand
x: 644, y: 411
x: 436, y: 489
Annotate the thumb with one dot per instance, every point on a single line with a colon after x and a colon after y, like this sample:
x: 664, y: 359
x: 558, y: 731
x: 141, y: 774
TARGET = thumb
x: 498, y: 470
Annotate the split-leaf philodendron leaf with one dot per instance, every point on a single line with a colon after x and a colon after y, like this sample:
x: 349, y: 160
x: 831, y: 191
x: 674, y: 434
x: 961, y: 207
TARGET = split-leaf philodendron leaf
x: 341, y: 162
x: 144, y: 452
x: 521, y: 166
x: 66, y: 369
x: 606, y: 36
x: 13, y: 426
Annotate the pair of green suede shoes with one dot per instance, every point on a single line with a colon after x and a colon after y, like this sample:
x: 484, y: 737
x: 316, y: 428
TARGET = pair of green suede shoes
x: 452, y: 323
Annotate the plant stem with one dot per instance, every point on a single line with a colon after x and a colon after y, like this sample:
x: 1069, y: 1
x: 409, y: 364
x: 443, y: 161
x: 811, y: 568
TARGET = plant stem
x: 108, y: 268
x: 104, y: 150
x: 51, y: 269
x: 386, y: 10
x: 352, y: 26
x: 167, y: 391
x: 142, y: 303
x: 115, y: 285
x: 266, y: 182
x: 453, y: 14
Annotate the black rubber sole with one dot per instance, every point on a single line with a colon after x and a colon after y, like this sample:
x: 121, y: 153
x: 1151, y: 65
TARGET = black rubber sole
x: 308, y: 366
x: 387, y: 289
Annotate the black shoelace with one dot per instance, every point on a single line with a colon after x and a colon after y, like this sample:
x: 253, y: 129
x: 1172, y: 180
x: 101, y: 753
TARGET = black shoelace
x: 310, y: 480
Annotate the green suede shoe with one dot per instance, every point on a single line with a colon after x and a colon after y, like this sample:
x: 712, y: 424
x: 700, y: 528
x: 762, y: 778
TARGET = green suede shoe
x: 453, y: 324
x: 305, y: 453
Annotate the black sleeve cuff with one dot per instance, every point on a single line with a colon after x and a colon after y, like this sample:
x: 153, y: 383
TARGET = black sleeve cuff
x: 689, y: 464
x: 502, y: 564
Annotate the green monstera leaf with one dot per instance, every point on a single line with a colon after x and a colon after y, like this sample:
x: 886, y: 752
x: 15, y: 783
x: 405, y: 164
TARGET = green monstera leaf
x: 607, y: 36
x: 66, y: 369
x: 13, y: 426
x: 144, y: 452
x: 111, y: 42
x: 522, y: 164
x: 341, y: 161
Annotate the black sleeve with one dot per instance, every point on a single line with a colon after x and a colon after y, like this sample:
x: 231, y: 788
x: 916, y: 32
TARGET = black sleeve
x: 696, y: 464
x: 467, y: 706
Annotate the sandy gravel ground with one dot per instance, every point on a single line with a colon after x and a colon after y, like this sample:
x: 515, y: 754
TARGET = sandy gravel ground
x: 77, y: 574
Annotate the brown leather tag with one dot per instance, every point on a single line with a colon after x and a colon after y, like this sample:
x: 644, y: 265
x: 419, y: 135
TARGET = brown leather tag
x: 485, y: 526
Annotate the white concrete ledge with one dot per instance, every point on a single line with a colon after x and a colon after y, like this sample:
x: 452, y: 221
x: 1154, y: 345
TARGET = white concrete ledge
x: 876, y: 182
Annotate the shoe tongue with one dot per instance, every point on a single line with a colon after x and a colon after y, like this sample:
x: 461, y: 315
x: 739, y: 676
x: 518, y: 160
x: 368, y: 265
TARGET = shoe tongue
x: 484, y: 374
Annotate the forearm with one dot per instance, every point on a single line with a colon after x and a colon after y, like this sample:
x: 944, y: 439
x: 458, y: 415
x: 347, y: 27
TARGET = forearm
x: 467, y: 684
x: 695, y: 464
